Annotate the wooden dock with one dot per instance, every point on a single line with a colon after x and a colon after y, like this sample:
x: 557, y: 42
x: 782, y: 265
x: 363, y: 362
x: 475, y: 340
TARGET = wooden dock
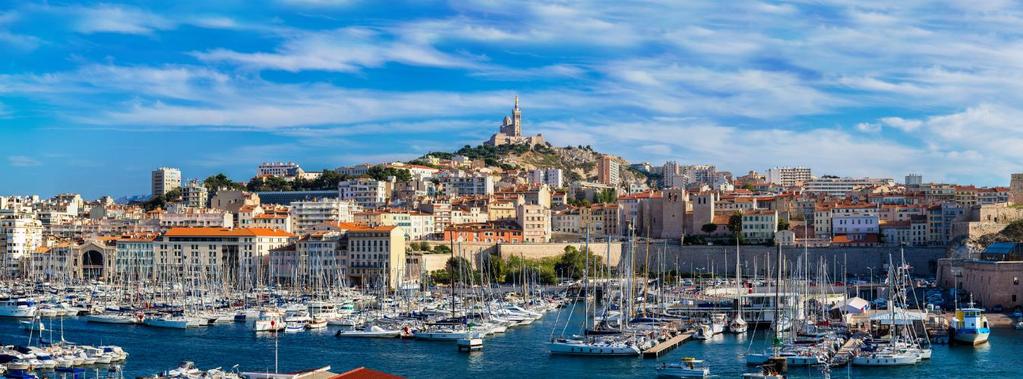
x: 666, y: 345
x: 845, y: 354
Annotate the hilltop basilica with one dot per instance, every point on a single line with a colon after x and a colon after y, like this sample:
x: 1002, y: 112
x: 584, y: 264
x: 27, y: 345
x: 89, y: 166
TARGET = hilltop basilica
x: 511, y: 131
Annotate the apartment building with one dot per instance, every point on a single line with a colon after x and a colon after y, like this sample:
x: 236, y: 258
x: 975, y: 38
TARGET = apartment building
x: 306, y: 215
x: 165, y: 179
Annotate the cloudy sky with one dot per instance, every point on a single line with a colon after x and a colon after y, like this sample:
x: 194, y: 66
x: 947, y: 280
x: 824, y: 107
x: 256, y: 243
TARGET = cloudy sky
x: 93, y: 96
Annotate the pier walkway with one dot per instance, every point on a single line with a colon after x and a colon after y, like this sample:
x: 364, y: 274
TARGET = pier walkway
x: 666, y: 345
x: 846, y: 353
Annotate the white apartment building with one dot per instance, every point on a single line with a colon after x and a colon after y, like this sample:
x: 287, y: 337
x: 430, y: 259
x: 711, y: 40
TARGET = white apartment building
x: 20, y: 235
x: 855, y: 224
x: 839, y: 187
x: 234, y: 257
x: 415, y: 225
x: 553, y: 177
x: 279, y: 169
x: 788, y: 176
x: 367, y: 193
x: 196, y: 217
x: 460, y: 183
x: 195, y: 195
x: 306, y: 215
x: 165, y: 179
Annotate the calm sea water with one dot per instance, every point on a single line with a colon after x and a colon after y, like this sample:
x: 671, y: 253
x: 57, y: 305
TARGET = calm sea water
x: 520, y: 353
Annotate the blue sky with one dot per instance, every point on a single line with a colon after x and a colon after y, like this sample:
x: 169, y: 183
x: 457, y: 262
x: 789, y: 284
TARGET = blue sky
x: 95, y: 95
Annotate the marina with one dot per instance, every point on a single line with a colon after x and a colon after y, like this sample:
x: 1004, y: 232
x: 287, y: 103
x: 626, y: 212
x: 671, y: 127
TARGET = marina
x: 520, y: 352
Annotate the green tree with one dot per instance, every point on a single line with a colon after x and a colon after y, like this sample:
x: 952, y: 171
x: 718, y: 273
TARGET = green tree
x: 783, y: 224
x: 173, y: 195
x: 461, y: 271
x: 381, y: 173
x: 215, y: 182
x: 442, y: 249
x: 709, y: 228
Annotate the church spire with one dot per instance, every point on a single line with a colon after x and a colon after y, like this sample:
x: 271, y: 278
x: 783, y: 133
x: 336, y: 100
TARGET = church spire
x: 516, y: 102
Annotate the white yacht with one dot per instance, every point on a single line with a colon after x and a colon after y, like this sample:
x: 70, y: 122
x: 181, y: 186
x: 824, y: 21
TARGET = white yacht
x: 369, y: 331
x: 17, y: 307
x: 269, y: 321
x: 115, y: 318
x: 568, y: 346
x: 171, y: 322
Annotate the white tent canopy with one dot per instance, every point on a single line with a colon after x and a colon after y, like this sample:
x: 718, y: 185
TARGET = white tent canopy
x: 854, y: 305
x: 902, y: 317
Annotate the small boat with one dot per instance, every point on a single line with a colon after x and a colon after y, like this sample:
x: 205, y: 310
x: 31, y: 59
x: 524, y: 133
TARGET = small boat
x: 703, y: 332
x: 470, y: 343
x: 370, y: 331
x: 688, y: 368
x: 294, y: 327
x: 970, y: 326
x: 765, y: 372
x: 316, y: 323
x: 1019, y: 324
x: 738, y: 325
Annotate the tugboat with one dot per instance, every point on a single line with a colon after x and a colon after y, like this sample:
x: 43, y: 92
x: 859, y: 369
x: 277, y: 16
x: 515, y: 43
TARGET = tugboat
x: 970, y: 326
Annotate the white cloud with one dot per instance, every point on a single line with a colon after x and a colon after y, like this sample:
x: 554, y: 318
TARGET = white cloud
x: 901, y: 123
x: 22, y: 161
x: 345, y: 50
x: 118, y: 19
x: 868, y: 127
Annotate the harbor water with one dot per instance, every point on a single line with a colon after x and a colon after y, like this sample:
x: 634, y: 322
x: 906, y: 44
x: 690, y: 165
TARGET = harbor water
x: 519, y: 353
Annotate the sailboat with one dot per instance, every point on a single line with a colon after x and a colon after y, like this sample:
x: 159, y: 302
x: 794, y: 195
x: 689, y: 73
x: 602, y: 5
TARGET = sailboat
x: 592, y: 345
x: 738, y: 325
x: 772, y: 353
x: 900, y: 349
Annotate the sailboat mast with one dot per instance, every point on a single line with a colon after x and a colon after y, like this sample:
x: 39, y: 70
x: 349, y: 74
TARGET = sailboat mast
x: 777, y: 303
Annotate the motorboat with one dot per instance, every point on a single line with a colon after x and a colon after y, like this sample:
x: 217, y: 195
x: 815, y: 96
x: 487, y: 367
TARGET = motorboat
x: 115, y: 318
x: 18, y: 307
x: 688, y: 367
x: 369, y: 331
x: 171, y: 322
x: 570, y: 346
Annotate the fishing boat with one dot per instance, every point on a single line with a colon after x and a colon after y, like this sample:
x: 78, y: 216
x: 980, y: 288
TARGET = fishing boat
x: 687, y: 368
x: 970, y: 326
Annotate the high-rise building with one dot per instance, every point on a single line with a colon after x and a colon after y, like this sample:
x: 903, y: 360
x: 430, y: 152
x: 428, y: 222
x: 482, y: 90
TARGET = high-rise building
x: 788, y: 176
x: 165, y: 179
x: 914, y: 180
x: 608, y: 171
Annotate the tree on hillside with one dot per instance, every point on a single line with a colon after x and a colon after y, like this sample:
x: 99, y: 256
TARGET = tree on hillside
x: 215, y: 182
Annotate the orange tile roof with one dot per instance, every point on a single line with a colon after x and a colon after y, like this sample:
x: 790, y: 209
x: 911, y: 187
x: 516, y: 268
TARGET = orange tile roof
x: 360, y: 227
x: 226, y: 232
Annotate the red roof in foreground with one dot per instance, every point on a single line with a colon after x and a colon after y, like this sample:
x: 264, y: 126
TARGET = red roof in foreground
x: 365, y: 373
